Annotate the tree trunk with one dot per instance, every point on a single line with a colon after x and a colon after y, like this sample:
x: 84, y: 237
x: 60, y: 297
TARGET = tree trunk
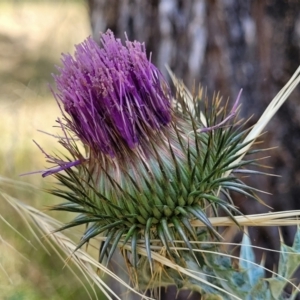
x: 226, y: 46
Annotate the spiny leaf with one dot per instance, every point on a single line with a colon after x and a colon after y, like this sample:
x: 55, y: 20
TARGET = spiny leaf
x: 182, y: 234
x: 130, y: 233
x: 201, y: 216
x: 115, y: 243
x: 162, y: 237
x: 110, y: 235
x: 148, y: 242
x: 94, y: 230
x: 133, y: 249
x: 253, y: 272
x: 166, y: 231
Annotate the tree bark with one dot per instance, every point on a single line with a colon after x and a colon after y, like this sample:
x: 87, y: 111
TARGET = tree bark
x: 226, y: 46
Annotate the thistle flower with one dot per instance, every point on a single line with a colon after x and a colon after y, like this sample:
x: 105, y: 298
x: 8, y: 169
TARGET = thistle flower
x: 115, y: 97
x: 150, y: 167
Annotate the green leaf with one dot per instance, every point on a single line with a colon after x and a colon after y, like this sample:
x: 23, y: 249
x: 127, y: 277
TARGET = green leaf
x: 148, y: 241
x: 247, y: 262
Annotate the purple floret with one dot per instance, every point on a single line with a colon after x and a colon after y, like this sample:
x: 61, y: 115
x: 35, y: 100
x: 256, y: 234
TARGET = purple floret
x: 113, y: 95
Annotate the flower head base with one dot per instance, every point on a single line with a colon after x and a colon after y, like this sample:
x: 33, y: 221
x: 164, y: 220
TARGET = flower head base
x: 114, y: 95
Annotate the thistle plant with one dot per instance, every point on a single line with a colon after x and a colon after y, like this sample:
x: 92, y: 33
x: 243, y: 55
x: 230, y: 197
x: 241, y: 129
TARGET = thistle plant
x: 154, y: 170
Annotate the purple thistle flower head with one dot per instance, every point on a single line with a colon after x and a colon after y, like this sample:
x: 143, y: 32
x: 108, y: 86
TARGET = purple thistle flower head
x: 114, y: 95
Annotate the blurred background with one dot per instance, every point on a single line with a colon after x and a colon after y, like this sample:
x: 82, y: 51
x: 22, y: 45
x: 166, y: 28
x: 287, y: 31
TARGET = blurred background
x: 225, y: 45
x: 33, y: 34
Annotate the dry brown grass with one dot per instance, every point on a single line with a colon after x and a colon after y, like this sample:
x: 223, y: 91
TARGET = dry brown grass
x: 32, y: 37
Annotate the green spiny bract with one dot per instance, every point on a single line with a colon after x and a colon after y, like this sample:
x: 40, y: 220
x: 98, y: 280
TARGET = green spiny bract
x: 178, y: 179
